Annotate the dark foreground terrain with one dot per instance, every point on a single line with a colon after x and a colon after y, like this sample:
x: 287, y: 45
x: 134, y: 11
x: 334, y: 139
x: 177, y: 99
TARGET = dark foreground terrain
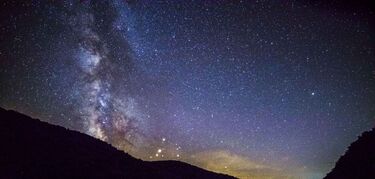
x: 34, y: 149
x: 358, y: 161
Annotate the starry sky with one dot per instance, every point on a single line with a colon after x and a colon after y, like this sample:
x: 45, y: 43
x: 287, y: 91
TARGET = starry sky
x: 249, y: 88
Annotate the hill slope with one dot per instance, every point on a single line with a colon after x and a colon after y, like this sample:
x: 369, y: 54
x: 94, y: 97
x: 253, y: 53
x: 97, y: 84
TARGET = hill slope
x: 34, y: 149
x: 358, y: 161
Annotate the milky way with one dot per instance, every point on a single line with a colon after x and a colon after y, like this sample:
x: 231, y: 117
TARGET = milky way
x: 106, y: 115
x: 252, y: 89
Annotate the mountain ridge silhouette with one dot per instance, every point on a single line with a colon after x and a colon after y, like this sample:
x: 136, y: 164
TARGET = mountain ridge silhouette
x: 35, y: 149
x: 358, y: 162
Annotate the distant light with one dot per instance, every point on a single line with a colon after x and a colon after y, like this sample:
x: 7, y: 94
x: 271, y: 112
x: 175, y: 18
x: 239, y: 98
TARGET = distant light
x: 159, y: 150
x: 313, y: 93
x: 178, y: 155
x: 163, y: 139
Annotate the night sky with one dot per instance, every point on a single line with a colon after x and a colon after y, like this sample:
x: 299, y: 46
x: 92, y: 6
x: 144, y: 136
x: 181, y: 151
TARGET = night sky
x: 252, y: 89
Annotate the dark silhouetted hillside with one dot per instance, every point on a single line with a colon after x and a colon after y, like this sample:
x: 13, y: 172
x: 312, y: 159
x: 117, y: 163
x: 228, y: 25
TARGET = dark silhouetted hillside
x: 358, y: 161
x: 34, y: 149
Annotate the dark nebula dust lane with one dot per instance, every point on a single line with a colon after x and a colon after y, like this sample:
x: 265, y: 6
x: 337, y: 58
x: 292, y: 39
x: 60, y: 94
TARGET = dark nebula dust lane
x: 252, y: 89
